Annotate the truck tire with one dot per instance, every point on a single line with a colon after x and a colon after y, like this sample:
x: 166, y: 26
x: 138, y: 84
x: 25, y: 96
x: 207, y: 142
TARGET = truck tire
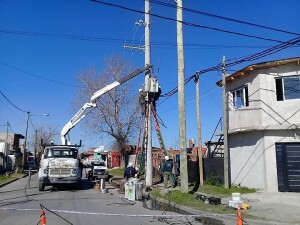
x: 41, y: 186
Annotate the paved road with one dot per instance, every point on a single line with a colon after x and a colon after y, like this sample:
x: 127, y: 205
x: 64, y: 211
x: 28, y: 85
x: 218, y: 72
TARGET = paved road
x: 20, y: 204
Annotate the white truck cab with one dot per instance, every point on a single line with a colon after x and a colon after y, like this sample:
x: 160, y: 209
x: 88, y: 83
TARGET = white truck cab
x: 59, y: 165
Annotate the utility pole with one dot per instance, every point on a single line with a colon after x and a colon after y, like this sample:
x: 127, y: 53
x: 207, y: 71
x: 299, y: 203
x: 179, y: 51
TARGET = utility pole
x: 199, y: 129
x: 35, y: 147
x: 7, y: 147
x: 225, y: 127
x: 25, y: 141
x: 149, y: 173
x: 181, y: 107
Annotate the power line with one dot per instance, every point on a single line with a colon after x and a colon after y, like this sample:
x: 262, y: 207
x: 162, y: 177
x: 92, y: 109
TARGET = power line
x: 35, y: 75
x: 12, y: 103
x: 187, y: 23
x: 222, y: 17
x: 252, y: 57
x: 156, y: 44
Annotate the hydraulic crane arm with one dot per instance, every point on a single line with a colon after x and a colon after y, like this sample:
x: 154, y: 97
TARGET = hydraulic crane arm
x: 92, y: 104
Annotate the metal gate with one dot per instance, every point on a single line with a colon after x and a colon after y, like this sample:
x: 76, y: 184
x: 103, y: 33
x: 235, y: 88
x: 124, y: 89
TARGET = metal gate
x: 288, y: 166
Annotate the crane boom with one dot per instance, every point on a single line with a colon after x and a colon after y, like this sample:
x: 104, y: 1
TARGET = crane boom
x: 92, y: 104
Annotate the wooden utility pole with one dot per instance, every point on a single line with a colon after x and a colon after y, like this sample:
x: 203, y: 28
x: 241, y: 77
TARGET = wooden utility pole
x: 181, y: 107
x: 149, y: 173
x: 199, y: 129
x: 225, y: 127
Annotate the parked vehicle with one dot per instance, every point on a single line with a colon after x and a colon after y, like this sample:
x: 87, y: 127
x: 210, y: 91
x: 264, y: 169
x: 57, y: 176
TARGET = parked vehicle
x: 98, y: 170
x: 59, y: 165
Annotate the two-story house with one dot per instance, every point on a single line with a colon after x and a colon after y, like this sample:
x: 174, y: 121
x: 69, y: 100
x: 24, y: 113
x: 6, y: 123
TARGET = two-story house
x: 264, y: 125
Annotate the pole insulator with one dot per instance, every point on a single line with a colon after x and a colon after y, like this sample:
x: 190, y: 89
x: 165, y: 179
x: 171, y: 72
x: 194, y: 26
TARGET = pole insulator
x: 43, y: 218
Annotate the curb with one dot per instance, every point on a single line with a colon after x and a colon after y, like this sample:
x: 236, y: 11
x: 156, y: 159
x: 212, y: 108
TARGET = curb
x: 13, y: 180
x: 8, y: 182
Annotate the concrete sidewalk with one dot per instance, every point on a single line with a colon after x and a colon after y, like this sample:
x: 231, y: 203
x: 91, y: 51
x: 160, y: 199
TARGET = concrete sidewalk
x: 270, y: 207
x: 281, y: 207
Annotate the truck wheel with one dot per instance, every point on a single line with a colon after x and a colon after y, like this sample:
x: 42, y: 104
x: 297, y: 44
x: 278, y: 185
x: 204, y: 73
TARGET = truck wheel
x: 41, y: 186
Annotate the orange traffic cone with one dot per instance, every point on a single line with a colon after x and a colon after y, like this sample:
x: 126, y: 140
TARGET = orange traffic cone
x: 43, y: 218
x: 239, y: 216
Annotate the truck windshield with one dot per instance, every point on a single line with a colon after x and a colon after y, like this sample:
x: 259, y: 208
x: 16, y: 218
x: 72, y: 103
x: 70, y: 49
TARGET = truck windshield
x: 61, y: 153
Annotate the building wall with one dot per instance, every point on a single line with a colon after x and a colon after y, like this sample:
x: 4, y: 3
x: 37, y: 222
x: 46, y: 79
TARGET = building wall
x: 254, y: 130
x: 253, y: 157
x: 264, y: 109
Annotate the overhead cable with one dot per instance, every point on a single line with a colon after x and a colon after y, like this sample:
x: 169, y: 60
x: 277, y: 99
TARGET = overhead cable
x: 186, y: 23
x: 222, y: 17
x: 252, y: 57
x: 39, y: 76
x: 12, y: 103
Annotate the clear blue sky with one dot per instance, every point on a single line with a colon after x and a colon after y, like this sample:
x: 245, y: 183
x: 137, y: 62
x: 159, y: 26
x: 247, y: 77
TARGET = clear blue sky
x: 39, y: 42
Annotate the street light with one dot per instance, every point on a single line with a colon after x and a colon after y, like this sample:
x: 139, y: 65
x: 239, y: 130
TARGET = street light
x: 25, y: 140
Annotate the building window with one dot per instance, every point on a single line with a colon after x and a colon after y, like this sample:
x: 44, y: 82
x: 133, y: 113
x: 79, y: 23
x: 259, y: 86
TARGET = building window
x: 240, y: 97
x: 288, y: 88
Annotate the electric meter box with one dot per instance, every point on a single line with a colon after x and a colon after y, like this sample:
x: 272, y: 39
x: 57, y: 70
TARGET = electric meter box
x: 152, y: 85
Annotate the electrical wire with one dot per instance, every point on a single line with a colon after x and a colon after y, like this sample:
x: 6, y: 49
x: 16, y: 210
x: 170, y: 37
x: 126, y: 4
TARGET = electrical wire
x: 222, y: 17
x: 186, y: 23
x: 121, y: 41
x: 10, y: 102
x: 35, y: 75
x: 252, y: 57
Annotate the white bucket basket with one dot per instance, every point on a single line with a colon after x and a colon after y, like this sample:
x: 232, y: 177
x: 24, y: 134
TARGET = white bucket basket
x: 236, y: 196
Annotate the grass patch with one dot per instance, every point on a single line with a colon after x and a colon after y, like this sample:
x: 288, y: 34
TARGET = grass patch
x: 117, y: 172
x: 4, y: 178
x: 222, y: 192
x: 190, y: 200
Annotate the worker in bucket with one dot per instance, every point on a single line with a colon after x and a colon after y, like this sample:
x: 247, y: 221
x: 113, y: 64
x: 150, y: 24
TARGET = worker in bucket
x: 130, y: 171
x: 167, y: 169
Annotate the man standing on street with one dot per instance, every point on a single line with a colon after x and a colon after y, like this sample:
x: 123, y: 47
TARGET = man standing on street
x: 167, y: 168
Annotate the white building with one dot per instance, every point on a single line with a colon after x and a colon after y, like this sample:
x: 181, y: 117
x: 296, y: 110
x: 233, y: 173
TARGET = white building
x: 264, y: 125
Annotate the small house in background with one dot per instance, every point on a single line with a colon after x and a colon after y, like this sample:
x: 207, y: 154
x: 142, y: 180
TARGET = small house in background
x: 9, y: 144
x: 264, y: 125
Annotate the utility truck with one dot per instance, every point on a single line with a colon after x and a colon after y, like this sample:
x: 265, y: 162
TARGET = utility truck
x: 96, y: 166
x: 59, y: 165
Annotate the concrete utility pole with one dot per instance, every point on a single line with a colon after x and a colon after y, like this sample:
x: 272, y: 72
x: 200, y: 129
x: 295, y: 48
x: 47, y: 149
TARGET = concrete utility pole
x: 225, y: 127
x: 181, y: 107
x: 35, y: 146
x: 199, y: 129
x: 149, y: 170
x: 25, y: 141
x: 7, y: 148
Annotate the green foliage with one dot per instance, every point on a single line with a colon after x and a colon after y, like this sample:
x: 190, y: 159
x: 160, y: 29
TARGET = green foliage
x: 119, y: 172
x: 4, y: 178
x: 190, y: 200
x: 220, y: 191
x: 213, y: 180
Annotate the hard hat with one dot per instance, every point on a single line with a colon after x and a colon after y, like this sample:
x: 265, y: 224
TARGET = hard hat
x: 130, y: 164
x: 166, y: 157
x: 140, y: 89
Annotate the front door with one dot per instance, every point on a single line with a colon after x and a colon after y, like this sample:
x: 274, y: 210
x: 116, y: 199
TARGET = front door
x: 288, y: 166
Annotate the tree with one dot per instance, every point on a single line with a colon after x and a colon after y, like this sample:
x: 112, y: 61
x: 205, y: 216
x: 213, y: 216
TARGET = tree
x: 117, y: 112
x: 48, y: 134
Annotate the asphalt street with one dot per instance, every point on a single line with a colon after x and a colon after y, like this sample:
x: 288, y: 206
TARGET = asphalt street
x: 21, y: 202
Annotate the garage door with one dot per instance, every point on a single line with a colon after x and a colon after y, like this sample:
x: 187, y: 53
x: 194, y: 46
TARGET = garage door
x: 288, y: 166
